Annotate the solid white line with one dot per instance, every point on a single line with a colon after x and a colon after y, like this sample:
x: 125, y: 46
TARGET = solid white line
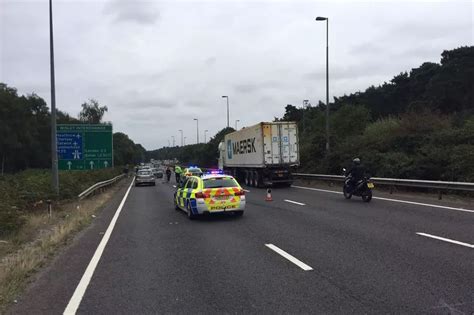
x: 446, y: 239
x: 294, y: 260
x: 246, y: 190
x: 174, y: 186
x: 316, y: 189
x: 393, y: 200
x: 295, y: 202
x: 76, y: 298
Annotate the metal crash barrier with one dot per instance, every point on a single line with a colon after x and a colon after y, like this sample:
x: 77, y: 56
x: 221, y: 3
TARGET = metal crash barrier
x: 393, y: 182
x: 99, y: 185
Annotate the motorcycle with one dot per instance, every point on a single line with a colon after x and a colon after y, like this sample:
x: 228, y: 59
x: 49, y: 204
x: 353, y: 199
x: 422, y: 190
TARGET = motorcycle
x: 363, y: 188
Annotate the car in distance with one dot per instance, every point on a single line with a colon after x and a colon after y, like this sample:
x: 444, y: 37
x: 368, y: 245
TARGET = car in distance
x: 209, y: 194
x: 144, y: 177
x: 157, y: 172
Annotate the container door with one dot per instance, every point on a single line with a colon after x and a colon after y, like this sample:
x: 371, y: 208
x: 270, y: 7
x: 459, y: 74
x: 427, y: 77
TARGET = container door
x: 293, y: 144
x: 267, y: 144
x: 276, y: 144
x: 285, y: 133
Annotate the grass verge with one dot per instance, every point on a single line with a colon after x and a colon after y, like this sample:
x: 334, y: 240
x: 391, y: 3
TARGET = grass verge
x: 38, y: 240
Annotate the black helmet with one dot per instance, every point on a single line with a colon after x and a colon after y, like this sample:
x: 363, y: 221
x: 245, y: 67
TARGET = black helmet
x: 356, y: 161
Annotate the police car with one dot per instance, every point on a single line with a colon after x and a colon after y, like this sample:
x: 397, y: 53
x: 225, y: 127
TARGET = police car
x: 192, y: 171
x: 208, y: 194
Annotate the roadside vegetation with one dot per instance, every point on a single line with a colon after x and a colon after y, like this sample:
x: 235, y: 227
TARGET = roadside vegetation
x: 419, y: 125
x: 32, y: 245
x: 25, y: 193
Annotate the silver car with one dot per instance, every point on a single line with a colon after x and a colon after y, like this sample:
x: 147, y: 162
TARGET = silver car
x: 144, y: 177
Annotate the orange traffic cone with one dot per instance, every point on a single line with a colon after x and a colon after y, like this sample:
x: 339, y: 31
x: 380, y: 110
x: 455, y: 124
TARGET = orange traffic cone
x: 269, y: 195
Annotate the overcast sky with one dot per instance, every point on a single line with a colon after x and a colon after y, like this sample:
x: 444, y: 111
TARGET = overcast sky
x: 159, y: 64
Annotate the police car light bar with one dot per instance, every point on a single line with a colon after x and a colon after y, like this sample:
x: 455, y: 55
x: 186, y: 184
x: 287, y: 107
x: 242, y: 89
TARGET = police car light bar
x: 215, y: 172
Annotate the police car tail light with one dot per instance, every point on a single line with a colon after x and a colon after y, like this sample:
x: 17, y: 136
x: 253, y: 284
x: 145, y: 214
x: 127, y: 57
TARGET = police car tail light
x: 239, y: 193
x: 201, y: 195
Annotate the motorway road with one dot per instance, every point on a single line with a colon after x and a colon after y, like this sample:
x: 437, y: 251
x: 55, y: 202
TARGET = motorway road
x: 362, y: 258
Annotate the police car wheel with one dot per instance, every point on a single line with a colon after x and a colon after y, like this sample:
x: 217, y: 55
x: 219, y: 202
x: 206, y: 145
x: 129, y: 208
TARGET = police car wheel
x: 176, y: 205
x: 189, y: 212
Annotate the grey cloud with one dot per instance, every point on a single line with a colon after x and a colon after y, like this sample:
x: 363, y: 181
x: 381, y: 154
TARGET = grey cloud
x: 141, y: 105
x: 140, y: 12
x: 210, y: 61
x: 254, y: 87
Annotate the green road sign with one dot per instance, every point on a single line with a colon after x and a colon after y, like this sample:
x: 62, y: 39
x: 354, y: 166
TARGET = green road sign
x: 84, y: 147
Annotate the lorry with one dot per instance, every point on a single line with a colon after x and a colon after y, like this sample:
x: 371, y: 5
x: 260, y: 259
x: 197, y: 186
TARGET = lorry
x: 261, y: 155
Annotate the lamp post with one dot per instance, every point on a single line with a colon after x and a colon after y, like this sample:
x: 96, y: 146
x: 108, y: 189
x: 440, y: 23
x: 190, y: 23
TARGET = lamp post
x: 197, y: 129
x: 172, y: 137
x: 227, y: 97
x: 236, y: 121
x: 54, y: 150
x: 184, y: 140
x: 320, y: 18
x: 205, y: 135
x: 181, y: 130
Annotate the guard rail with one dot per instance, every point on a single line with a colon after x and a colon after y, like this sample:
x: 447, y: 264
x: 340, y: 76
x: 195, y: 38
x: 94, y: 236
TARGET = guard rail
x: 99, y: 185
x: 392, y: 182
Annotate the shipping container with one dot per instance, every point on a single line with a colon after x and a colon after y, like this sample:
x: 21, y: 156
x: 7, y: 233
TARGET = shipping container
x: 261, y: 155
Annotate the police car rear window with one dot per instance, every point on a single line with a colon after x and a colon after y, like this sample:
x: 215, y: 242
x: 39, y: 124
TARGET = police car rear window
x: 219, y: 182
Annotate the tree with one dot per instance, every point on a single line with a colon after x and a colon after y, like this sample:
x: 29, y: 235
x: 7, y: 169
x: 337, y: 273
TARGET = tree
x: 91, y: 112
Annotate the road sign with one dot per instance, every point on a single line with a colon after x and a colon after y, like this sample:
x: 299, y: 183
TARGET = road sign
x: 84, y: 146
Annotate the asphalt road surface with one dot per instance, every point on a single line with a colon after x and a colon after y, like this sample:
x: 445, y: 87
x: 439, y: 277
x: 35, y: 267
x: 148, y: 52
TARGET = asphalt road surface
x: 307, y: 251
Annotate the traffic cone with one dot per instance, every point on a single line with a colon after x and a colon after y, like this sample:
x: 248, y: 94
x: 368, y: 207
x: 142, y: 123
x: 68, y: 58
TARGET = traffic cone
x: 269, y: 195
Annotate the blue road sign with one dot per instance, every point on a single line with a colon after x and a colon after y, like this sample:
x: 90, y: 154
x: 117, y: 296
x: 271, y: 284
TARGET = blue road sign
x: 69, y: 146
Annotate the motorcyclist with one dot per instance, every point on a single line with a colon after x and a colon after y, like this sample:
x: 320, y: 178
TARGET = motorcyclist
x: 356, y: 173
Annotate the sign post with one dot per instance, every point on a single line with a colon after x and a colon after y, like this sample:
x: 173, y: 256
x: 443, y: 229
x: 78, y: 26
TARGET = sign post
x: 84, y: 146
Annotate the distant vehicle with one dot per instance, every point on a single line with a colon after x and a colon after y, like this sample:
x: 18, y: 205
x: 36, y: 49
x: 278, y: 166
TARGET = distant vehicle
x: 209, y: 194
x: 261, y: 155
x: 144, y: 177
x: 157, y: 172
x: 192, y: 171
x: 363, y: 188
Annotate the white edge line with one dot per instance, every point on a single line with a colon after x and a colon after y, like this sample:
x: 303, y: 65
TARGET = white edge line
x: 295, y: 202
x: 81, y: 288
x: 246, y: 190
x: 174, y: 186
x: 393, y: 200
x: 445, y: 239
x: 294, y: 260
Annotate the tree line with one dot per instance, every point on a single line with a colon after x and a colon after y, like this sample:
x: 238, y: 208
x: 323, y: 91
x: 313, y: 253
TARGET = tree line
x: 418, y: 125
x: 25, y: 131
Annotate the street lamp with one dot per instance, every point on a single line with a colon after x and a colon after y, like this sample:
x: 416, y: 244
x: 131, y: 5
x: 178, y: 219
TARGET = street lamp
x: 184, y: 140
x: 54, y: 150
x: 197, y: 129
x: 226, y: 97
x: 320, y: 18
x: 236, y: 121
x: 205, y: 134
x: 172, y: 137
x: 180, y: 130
